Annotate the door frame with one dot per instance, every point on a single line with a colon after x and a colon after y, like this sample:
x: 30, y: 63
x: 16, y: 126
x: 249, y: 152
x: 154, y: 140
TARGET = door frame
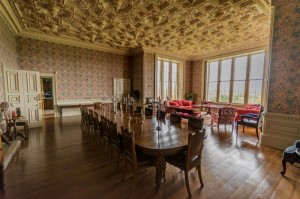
x: 114, y: 82
x: 53, y: 77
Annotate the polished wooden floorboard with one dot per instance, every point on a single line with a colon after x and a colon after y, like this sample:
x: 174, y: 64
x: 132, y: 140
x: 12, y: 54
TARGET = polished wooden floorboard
x: 58, y: 161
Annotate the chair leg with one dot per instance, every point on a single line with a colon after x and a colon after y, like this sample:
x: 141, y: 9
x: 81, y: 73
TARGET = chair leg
x: 108, y: 151
x: 111, y: 154
x: 186, y: 173
x: 200, y: 175
x: 243, y: 128
x: 257, y: 133
x: 134, y: 178
x: 125, y: 170
x: 118, y: 160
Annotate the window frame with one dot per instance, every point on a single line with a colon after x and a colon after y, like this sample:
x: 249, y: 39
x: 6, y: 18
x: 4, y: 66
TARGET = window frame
x: 179, y: 80
x: 247, y: 80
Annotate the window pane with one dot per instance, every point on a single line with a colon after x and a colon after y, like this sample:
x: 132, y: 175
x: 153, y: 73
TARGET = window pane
x: 224, y: 91
x: 213, y: 71
x: 225, y: 70
x: 257, y: 66
x: 158, y: 89
x: 166, y: 71
x: 174, y: 72
x: 158, y: 72
x: 174, y: 91
x: 212, y: 92
x: 238, y: 92
x: 168, y: 77
x: 240, y: 68
x: 166, y: 90
x: 255, y: 90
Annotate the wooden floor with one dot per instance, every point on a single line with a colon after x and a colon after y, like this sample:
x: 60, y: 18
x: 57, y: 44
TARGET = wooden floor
x: 59, y: 162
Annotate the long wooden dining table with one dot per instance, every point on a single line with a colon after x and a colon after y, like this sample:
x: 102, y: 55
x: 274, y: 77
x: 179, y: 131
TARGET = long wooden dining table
x: 171, y: 139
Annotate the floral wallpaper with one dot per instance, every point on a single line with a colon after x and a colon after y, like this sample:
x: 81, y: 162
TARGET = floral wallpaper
x: 80, y: 73
x: 137, y: 73
x: 8, y: 52
x: 284, y: 89
x: 149, y: 74
x: 197, y: 77
x: 188, y: 76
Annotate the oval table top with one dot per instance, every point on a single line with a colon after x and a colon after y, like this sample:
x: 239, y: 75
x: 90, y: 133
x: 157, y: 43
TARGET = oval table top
x: 170, y: 137
x: 169, y: 140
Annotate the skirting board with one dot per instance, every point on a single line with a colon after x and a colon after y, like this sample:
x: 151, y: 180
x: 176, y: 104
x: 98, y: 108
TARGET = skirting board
x: 11, y: 150
x: 280, y: 130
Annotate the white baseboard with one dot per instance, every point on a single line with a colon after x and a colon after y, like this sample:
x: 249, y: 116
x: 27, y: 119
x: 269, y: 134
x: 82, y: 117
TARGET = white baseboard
x: 10, y: 152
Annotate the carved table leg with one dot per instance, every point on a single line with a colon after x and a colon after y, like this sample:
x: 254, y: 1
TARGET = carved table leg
x: 160, y: 165
x: 284, y: 167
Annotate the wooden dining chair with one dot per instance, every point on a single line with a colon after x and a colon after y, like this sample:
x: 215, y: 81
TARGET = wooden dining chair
x: 136, y: 160
x: 91, y: 122
x: 86, y: 124
x: 104, y: 131
x: 97, y: 133
x: 83, y: 116
x: 115, y: 142
x: 190, y: 158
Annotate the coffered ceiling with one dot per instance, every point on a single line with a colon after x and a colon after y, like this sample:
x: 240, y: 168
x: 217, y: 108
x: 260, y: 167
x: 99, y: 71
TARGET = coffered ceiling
x: 188, y: 28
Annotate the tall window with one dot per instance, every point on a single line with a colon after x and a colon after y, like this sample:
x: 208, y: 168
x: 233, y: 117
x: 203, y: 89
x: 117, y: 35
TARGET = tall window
x: 239, y: 79
x: 212, y: 72
x: 169, y: 79
x: 236, y: 80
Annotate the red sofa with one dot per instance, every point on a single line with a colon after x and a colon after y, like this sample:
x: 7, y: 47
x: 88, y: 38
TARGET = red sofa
x: 181, y: 103
x: 182, y: 107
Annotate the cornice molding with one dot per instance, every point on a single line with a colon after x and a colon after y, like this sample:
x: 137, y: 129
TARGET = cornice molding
x: 72, y: 42
x: 166, y: 53
x: 231, y: 52
x: 282, y: 116
x: 9, y: 16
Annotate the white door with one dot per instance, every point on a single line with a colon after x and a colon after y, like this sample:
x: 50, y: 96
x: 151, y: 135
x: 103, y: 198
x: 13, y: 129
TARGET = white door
x: 22, y: 89
x: 13, y: 85
x: 32, y: 95
x: 121, y: 88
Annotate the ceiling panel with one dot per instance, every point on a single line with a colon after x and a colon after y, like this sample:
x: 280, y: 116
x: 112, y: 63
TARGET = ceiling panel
x: 187, y: 27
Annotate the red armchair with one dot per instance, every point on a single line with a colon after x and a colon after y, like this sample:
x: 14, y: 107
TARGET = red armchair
x: 225, y: 116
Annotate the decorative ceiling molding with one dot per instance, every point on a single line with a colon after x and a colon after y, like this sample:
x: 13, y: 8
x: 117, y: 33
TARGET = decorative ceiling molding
x: 186, y: 29
x: 10, y: 17
x: 71, y: 42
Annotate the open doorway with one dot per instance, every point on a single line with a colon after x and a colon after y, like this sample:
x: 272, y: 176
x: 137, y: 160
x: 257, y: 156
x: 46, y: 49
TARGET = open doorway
x: 48, y: 95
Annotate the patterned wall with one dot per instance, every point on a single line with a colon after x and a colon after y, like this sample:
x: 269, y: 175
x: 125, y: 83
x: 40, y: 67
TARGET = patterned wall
x: 284, y: 89
x: 197, y: 77
x: 137, y: 73
x: 188, y: 76
x: 149, y: 74
x: 80, y: 73
x: 8, y: 52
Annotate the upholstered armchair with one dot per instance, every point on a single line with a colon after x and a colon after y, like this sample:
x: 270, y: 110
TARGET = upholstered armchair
x: 251, y: 120
x: 225, y: 116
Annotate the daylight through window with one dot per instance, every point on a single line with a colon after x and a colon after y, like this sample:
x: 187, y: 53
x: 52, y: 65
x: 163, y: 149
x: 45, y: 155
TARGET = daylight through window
x: 236, y: 80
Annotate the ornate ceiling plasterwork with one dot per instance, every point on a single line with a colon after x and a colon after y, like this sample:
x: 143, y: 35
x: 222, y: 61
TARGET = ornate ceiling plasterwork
x: 189, y: 28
